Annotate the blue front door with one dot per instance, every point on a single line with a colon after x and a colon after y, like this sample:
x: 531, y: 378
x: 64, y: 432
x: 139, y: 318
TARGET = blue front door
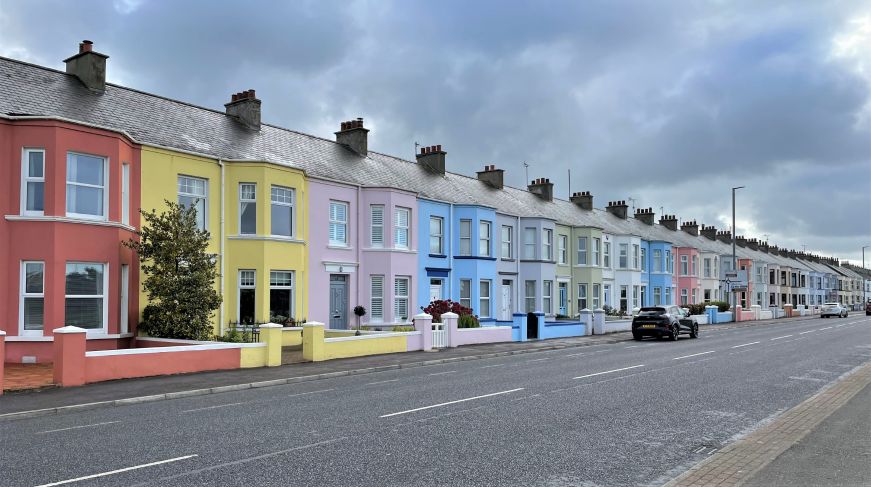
x: 563, y: 298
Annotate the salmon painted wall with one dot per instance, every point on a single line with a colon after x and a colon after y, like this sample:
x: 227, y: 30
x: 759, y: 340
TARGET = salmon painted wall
x: 56, y: 238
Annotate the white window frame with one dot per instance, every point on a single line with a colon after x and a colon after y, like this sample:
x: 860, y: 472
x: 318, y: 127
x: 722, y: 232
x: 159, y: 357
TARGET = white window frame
x: 400, y: 229
x: 484, y: 237
x: 561, y: 248
x: 485, y: 308
x: 526, y: 296
x: 376, y: 228
x: 401, y: 300
x: 582, y: 251
x: 546, y: 244
x: 509, y: 243
x: 240, y: 287
x: 583, y: 302
x: 684, y: 296
x: 529, y: 235
x: 657, y: 296
x: 274, y: 284
x: 125, y: 193
x: 636, y: 292
x: 104, y: 296
x: 623, y: 256
x: 643, y: 259
x: 23, y: 294
x: 657, y: 260
x: 339, y: 223
x: 245, y: 201
x: 465, y: 239
x: 596, y: 296
x: 466, y: 301
x: 104, y: 187
x: 438, y: 237
x: 292, y: 205
x: 597, y: 245
x: 635, y: 255
x: 204, y: 197
x: 373, y: 298
x: 26, y: 178
x: 684, y: 265
x: 694, y: 265
x: 707, y: 267
x: 547, y: 297
x: 606, y: 256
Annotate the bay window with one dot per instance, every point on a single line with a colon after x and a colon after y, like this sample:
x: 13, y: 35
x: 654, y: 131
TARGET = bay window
x: 436, y: 235
x: 280, y: 295
x: 376, y: 226
x: 85, y: 296
x: 247, y: 293
x: 465, y: 237
x: 247, y: 209
x: 32, y: 304
x: 401, y: 222
x: 484, y: 299
x: 400, y: 299
x: 282, y: 200
x: 484, y: 239
x: 33, y: 182
x: 86, y: 186
x: 582, y: 250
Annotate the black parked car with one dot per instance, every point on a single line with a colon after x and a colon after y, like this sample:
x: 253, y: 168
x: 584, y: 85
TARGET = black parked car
x: 660, y: 321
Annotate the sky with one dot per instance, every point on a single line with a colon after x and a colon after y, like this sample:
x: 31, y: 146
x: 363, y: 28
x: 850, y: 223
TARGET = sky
x: 664, y: 104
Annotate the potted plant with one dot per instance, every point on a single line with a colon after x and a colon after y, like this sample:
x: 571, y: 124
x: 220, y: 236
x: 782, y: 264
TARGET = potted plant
x: 359, y: 311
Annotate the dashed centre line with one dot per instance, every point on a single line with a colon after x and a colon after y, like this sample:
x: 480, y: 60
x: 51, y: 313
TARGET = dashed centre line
x: 826, y: 328
x: 609, y: 371
x: 451, y: 402
x: 809, y: 331
x: 120, y: 470
x: 778, y: 338
x: 77, y: 427
x: 212, y: 407
x: 745, y: 345
x: 694, y: 355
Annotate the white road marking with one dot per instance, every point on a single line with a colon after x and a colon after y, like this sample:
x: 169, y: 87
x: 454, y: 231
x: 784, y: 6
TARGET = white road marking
x: 814, y: 379
x: 311, y: 392
x: 826, y: 328
x: 745, y: 345
x: 538, y: 359
x: 77, y: 427
x: 694, y: 355
x: 633, y: 346
x: 213, y: 407
x: 575, y: 354
x: 490, y: 366
x: 608, y: 372
x: 700, y: 449
x: 712, y: 451
x: 451, y: 402
x: 443, y: 373
x: 120, y: 470
x: 784, y: 336
x: 809, y: 331
x: 838, y: 326
x: 382, y: 382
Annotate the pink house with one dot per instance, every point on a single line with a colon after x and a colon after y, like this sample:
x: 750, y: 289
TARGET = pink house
x: 363, y: 247
x: 687, y: 274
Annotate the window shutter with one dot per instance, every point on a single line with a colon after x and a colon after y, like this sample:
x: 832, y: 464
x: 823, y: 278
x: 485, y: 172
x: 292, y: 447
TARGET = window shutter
x: 377, y: 226
x: 377, y: 305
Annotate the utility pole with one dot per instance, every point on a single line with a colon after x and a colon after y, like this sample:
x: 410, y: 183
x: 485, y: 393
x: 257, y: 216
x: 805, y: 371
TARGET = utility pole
x: 526, y: 167
x: 864, y: 286
x: 734, y: 253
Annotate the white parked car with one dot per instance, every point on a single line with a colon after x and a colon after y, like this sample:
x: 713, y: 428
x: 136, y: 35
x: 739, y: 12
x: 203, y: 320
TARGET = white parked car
x: 833, y: 309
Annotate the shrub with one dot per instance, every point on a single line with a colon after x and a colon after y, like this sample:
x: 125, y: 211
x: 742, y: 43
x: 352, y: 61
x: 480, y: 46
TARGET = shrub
x: 468, y: 321
x: 403, y: 328
x: 722, y: 306
x: 696, y: 309
x: 441, y: 306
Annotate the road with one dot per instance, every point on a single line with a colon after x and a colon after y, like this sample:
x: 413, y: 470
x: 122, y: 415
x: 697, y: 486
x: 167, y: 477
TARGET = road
x: 631, y: 413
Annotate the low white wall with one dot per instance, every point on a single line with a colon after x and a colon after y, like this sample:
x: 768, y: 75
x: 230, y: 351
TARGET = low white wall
x: 700, y: 319
x: 618, y: 325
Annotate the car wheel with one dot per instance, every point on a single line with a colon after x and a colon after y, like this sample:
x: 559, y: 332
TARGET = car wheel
x: 695, y: 331
x: 675, y: 331
x: 636, y: 336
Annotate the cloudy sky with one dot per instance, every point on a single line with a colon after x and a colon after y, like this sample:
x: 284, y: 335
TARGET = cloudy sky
x: 669, y: 103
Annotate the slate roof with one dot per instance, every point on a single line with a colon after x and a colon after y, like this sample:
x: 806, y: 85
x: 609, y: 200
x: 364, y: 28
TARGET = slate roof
x: 27, y: 89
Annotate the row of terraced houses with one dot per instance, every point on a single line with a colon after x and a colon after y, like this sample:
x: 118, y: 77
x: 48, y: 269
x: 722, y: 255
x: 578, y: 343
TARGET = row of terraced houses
x: 307, y: 228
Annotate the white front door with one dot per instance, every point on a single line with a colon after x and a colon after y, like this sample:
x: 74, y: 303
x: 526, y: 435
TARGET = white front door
x: 435, y: 289
x: 506, y: 311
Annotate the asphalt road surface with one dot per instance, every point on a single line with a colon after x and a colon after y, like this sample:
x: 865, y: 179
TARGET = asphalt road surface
x: 630, y: 413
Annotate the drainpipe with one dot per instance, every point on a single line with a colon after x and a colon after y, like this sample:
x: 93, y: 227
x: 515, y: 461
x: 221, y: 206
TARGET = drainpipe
x: 452, y: 274
x: 221, y: 251
x: 359, y: 240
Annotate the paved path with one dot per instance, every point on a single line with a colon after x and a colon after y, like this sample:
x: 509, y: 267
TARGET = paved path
x: 623, y: 413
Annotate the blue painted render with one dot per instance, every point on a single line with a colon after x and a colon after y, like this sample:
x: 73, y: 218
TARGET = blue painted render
x: 432, y: 266
x: 660, y: 278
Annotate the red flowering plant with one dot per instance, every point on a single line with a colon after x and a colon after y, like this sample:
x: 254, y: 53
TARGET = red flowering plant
x: 441, y: 306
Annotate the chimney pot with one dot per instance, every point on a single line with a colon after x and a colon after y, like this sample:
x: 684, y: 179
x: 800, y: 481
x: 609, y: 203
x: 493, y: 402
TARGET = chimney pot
x: 89, y: 66
x: 543, y: 188
x: 86, y: 46
x: 353, y: 136
x: 583, y: 199
x: 245, y: 108
x: 433, y: 158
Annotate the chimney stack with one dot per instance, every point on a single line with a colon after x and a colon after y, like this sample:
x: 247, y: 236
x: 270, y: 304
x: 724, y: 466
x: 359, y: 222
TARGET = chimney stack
x: 691, y: 227
x: 669, y: 222
x: 583, y: 199
x: 433, y: 157
x: 542, y: 187
x: 709, y: 232
x: 245, y: 107
x: 725, y: 236
x: 89, y: 66
x: 617, y: 208
x: 492, y: 176
x: 753, y: 244
x: 354, y: 136
x: 646, y: 215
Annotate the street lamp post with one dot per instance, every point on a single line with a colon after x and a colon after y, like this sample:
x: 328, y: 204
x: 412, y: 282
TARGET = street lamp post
x: 734, y: 232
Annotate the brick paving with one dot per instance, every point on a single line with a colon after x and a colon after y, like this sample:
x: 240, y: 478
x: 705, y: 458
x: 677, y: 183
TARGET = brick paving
x: 27, y: 376
x: 736, y: 463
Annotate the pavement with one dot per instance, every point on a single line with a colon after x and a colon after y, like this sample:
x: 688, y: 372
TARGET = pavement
x: 46, y: 400
x: 610, y: 413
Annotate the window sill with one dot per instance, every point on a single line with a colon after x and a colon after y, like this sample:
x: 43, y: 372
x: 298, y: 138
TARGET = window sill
x: 438, y: 256
x: 268, y: 238
x: 69, y: 219
x: 339, y: 247
x: 388, y: 249
x: 97, y: 335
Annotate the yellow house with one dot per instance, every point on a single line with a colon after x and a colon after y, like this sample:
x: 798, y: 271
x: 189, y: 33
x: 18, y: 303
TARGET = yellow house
x: 255, y: 212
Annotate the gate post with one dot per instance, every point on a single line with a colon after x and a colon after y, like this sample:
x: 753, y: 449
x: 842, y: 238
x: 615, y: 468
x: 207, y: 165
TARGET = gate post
x: 270, y: 333
x: 518, y: 320
x: 598, y: 321
x: 711, y: 311
x: 450, y: 323
x: 757, y: 310
x: 738, y: 311
x: 69, y: 356
x: 587, y: 320
x: 313, y: 341
x: 423, y: 324
x: 2, y: 357
x: 787, y: 310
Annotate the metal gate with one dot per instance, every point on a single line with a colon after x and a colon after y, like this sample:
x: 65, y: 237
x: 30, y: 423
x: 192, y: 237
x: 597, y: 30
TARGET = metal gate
x: 439, y: 335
